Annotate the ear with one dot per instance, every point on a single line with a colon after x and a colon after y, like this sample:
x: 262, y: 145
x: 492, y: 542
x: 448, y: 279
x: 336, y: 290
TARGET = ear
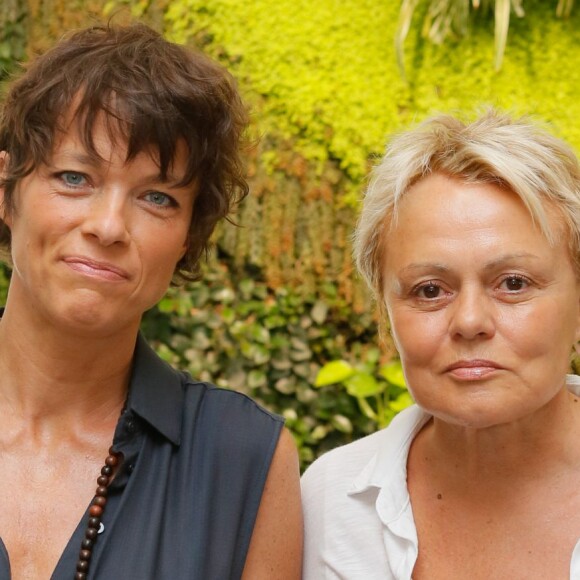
x: 4, y: 216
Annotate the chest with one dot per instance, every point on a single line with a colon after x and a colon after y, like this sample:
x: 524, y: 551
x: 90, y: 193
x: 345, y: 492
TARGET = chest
x: 524, y: 535
x: 44, y: 506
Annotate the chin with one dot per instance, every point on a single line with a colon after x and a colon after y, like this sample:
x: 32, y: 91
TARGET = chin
x: 475, y: 414
x: 92, y: 318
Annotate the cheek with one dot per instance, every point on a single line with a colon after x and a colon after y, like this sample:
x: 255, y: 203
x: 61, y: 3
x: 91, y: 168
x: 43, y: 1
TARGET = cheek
x: 417, y: 336
x: 547, y: 328
x: 163, y: 255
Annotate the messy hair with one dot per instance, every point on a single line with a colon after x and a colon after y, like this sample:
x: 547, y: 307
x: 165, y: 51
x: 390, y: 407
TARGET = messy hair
x: 515, y: 154
x: 154, y: 94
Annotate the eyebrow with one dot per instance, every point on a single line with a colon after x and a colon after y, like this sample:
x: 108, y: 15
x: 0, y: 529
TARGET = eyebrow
x: 79, y: 157
x: 492, y: 265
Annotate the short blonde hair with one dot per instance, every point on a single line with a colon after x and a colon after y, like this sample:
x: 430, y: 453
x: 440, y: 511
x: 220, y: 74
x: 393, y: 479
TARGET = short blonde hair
x: 517, y: 154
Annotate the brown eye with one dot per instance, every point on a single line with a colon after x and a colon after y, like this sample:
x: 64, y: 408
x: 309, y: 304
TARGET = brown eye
x: 514, y: 283
x: 430, y: 291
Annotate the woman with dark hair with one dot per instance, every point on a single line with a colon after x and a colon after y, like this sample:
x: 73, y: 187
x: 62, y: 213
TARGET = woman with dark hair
x: 120, y: 152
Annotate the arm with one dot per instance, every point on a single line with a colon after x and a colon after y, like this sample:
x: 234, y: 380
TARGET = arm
x: 275, y: 551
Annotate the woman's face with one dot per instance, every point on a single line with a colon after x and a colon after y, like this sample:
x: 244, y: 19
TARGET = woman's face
x: 484, y: 311
x: 95, y: 243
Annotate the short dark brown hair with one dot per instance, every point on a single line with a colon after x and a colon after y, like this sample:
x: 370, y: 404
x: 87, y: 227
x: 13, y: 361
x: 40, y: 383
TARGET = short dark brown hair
x: 156, y: 93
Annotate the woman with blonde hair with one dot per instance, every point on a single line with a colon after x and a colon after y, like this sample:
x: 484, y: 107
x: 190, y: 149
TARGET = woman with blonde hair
x: 469, y: 238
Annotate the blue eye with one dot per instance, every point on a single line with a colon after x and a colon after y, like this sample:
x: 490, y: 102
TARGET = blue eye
x: 160, y: 199
x: 72, y: 178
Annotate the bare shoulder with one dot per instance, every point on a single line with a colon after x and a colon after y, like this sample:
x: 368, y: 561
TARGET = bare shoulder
x: 276, y: 547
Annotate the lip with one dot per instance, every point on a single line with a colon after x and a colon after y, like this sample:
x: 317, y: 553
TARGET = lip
x: 473, y: 369
x: 96, y: 268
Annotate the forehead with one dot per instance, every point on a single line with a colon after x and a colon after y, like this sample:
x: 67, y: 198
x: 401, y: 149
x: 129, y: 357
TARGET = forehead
x: 442, y: 219
x: 107, y: 140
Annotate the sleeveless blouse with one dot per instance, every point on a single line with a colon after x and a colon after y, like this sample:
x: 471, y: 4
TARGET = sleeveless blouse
x: 184, y: 502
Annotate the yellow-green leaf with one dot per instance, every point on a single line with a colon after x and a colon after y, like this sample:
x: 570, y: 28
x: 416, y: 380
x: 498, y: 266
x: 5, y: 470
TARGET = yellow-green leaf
x: 403, y: 401
x: 363, y: 385
x: 393, y: 372
x: 335, y: 371
x: 341, y: 423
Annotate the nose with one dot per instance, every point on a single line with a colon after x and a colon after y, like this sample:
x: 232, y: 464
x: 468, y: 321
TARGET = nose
x: 107, y: 218
x: 472, y: 314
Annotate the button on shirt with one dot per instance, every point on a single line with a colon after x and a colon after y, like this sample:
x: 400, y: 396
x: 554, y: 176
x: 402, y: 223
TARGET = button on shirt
x: 184, y: 501
x: 357, y: 511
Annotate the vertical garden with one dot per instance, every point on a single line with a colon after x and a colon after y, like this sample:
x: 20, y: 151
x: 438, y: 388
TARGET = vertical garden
x: 279, y: 297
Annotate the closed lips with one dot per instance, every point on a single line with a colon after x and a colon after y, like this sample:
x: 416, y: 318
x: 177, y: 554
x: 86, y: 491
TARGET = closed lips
x: 88, y: 265
x: 472, y: 364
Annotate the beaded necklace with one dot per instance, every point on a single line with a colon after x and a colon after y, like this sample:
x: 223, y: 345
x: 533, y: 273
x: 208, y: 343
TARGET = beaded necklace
x: 96, y: 511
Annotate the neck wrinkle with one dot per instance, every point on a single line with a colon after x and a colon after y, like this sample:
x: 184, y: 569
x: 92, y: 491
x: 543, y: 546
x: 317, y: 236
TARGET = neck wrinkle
x: 525, y: 449
x: 45, y: 372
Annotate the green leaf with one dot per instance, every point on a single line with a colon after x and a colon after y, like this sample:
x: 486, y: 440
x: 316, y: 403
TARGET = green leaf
x: 363, y: 385
x: 319, y: 432
x: 405, y: 19
x: 335, y: 371
x: 257, y: 378
x: 319, y: 312
x: 393, y: 372
x: 403, y: 401
x: 367, y: 410
x: 502, y: 24
x: 286, y: 385
x: 166, y: 305
x: 246, y: 287
x: 341, y: 423
x: 564, y: 8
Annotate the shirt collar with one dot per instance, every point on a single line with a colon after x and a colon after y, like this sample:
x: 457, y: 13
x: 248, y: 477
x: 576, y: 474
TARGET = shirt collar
x: 386, y: 471
x: 155, y: 392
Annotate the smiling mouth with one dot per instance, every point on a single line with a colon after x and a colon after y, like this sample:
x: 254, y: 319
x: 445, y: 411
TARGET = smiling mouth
x: 473, y: 370
x: 96, y: 269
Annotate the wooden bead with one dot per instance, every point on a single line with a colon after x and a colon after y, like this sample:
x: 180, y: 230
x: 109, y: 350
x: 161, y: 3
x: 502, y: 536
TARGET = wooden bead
x: 96, y: 511
x: 94, y: 523
x: 103, y: 480
x: 91, y: 533
x: 100, y: 501
x: 102, y: 491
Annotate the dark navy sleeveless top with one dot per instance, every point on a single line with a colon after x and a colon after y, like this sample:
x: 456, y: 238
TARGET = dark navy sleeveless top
x: 184, y: 503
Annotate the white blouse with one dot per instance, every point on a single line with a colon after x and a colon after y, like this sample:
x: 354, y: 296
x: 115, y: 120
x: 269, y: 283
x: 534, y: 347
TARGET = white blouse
x: 357, y: 512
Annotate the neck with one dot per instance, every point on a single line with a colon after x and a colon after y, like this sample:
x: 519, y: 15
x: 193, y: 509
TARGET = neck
x: 529, y: 448
x: 47, y: 373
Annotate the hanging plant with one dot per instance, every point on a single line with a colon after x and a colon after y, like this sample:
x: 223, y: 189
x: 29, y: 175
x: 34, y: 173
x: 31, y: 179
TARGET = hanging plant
x: 446, y: 19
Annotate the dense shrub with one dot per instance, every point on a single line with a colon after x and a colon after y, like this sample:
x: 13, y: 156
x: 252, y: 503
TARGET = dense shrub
x: 270, y: 344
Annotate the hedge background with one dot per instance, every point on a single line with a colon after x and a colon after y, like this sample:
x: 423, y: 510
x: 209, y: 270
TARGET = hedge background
x: 280, y: 297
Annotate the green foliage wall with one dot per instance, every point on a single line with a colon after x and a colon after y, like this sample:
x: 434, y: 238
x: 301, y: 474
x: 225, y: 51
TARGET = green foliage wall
x: 269, y: 343
x: 325, y: 73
